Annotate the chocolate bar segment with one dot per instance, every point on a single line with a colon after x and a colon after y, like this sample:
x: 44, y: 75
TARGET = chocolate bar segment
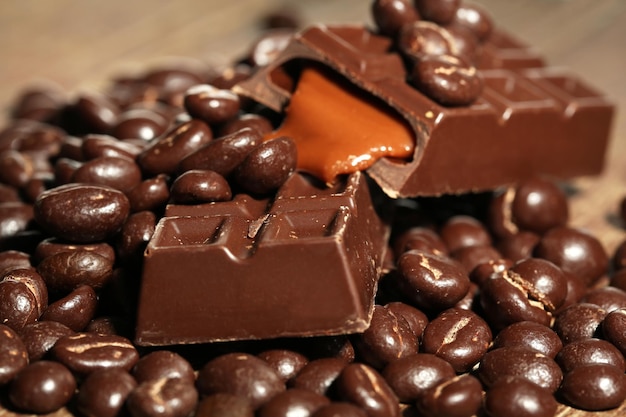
x: 530, y: 119
x: 306, y: 263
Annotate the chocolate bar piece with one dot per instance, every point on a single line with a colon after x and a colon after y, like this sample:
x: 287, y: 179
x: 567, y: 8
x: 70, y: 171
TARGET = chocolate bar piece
x: 305, y: 263
x: 529, y: 120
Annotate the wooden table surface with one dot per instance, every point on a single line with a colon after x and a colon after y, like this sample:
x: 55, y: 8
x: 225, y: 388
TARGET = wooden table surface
x: 80, y: 44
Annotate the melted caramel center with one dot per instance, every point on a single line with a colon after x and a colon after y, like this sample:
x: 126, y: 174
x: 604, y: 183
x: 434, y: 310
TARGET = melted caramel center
x: 339, y: 129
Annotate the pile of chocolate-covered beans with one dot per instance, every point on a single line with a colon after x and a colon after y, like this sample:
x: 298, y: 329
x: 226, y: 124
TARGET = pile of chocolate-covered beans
x: 488, y: 303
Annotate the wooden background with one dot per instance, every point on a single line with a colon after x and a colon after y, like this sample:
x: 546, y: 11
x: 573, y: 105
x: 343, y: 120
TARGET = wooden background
x: 79, y: 44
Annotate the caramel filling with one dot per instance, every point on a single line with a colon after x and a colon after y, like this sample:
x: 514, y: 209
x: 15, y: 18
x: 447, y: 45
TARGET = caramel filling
x: 339, y: 129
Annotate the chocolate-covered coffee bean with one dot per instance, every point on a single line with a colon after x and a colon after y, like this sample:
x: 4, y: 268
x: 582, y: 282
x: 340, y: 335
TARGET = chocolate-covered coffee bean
x: 221, y: 404
x: 472, y: 256
x: 579, y: 322
x: 419, y: 238
x: 96, y: 146
x: 162, y: 397
x: 293, y: 402
x: 42, y: 387
x: 267, y: 166
x: 135, y: 235
x: 432, y: 282
x: 52, y: 246
x: 200, y: 186
x: 530, y: 335
x: 391, y: 15
x: 163, y: 364
x: 460, y: 396
x: 343, y: 409
x: 82, y: 212
x: 518, y: 397
x: 286, y: 363
x: 39, y: 337
x: 103, y: 392
x: 269, y: 45
x: 519, y: 362
x: 461, y: 337
x: 518, y: 246
x: 416, y: 319
x: 545, y: 282
x: 389, y: 337
x: 225, y: 374
x: 95, y: 112
x: 318, y: 375
x: 16, y: 169
x: 363, y: 386
x: 15, y: 218
x: 464, y: 231
x: 66, y: 271
x: 424, y: 38
x: 210, y: 104
x: 261, y: 125
x: 13, y: 259
x: 84, y: 353
x: 13, y: 354
x: 474, y: 18
x: 539, y: 205
x: 23, y: 297
x: 75, y: 310
x: 613, y: 329
x: 594, y: 387
x: 438, y: 11
x: 411, y: 376
x: 151, y: 194
x: 120, y: 173
x: 608, y: 298
x: 589, y: 352
x: 139, y: 124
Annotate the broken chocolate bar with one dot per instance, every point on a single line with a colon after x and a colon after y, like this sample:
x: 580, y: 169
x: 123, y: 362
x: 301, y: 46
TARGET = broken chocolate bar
x: 529, y: 120
x: 306, y: 263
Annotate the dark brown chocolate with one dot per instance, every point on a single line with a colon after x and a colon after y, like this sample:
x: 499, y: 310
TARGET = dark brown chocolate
x: 529, y: 120
x: 306, y: 263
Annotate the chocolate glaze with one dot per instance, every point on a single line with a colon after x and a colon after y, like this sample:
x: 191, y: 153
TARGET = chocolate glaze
x: 530, y: 119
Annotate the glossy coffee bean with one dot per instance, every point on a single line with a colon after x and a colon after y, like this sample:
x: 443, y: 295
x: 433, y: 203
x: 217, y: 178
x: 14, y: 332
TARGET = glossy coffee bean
x: 539, y: 205
x: 472, y: 256
x: 318, y: 375
x: 424, y: 38
x: 82, y: 212
x: 224, y: 374
x: 14, y: 218
x: 432, y: 282
x: 388, y: 338
x: 574, y: 251
x: 18, y: 305
x: 220, y: 404
x: 164, y: 154
x: 103, y: 393
x: 261, y: 125
x: 466, y: 44
x: 16, y: 169
x: 343, y: 409
x: 608, y: 298
x: 416, y: 319
x: 42, y: 387
x: 293, y: 402
x: 579, y: 322
x: 163, y: 364
x: 41, y: 102
x: 223, y: 154
x: 97, y: 146
x: 162, y: 397
x: 391, y: 15
x: 594, y: 387
x: 151, y: 194
x: 484, y: 271
x: 9, y: 194
x: 447, y: 79
x: 545, y: 281
x: 268, y: 166
x: 438, y: 11
x: 13, y: 354
x: 269, y: 45
x: 460, y: 396
x: 461, y: 337
x: 475, y: 18
x: 211, y: 105
x: 139, y: 124
x: 120, y: 173
x: 464, y: 231
x: 13, y: 259
x: 411, y: 376
x: 52, y: 246
x: 614, y: 329
x: 84, y: 353
x: 518, y: 246
x: 589, y: 352
x: 75, y: 310
x: 286, y: 363
x: 200, y: 186
x: 363, y: 386
x: 422, y: 239
x: 519, y: 362
x: 135, y: 235
x: 530, y: 335
x: 39, y: 337
x: 64, y: 170
x: 519, y: 397
x: 96, y: 112
x: 66, y: 271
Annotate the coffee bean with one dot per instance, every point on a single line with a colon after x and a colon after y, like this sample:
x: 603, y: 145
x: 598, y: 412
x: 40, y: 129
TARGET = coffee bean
x: 66, y: 271
x: 545, y: 282
x: 135, y: 235
x: 52, y: 246
x: 432, y: 282
x: 391, y: 15
x: 286, y: 363
x: 594, y: 387
x: 97, y: 146
x: 16, y: 169
x: 342, y: 409
x: 578, y: 322
x: 464, y: 231
x: 458, y: 397
x: 151, y: 194
x: 607, y: 298
x: 481, y: 273
x: 415, y: 318
x: 221, y: 405
x: 518, y: 397
x: 84, y: 353
x: 162, y: 397
x: 539, y: 205
x: 13, y: 354
x: 293, y: 402
x: 424, y: 38
x: 472, y: 256
x: 163, y: 364
x: 15, y: 218
x: 75, y: 310
x: 41, y: 102
x: 261, y: 125
x: 363, y: 386
x: 475, y: 18
x: 120, y: 173
x: 23, y: 295
x: 574, y: 251
x: 439, y: 11
x: 421, y: 239
x: 42, y: 387
x: 519, y: 246
x: 466, y: 44
x: 411, y: 376
x: 447, y: 79
x: 269, y: 45
x: 164, y: 154
x: 589, y: 352
x: 614, y: 329
x: 318, y: 375
x: 13, y: 259
x: 96, y: 112
x: 460, y: 337
x: 103, y: 392
x: 82, y: 212
x: 226, y: 374
x: 211, y: 105
x: 139, y: 124
x: 39, y: 337
x: 519, y: 362
x: 200, y: 186
x: 530, y: 335
x: 267, y: 166
x: 389, y: 337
